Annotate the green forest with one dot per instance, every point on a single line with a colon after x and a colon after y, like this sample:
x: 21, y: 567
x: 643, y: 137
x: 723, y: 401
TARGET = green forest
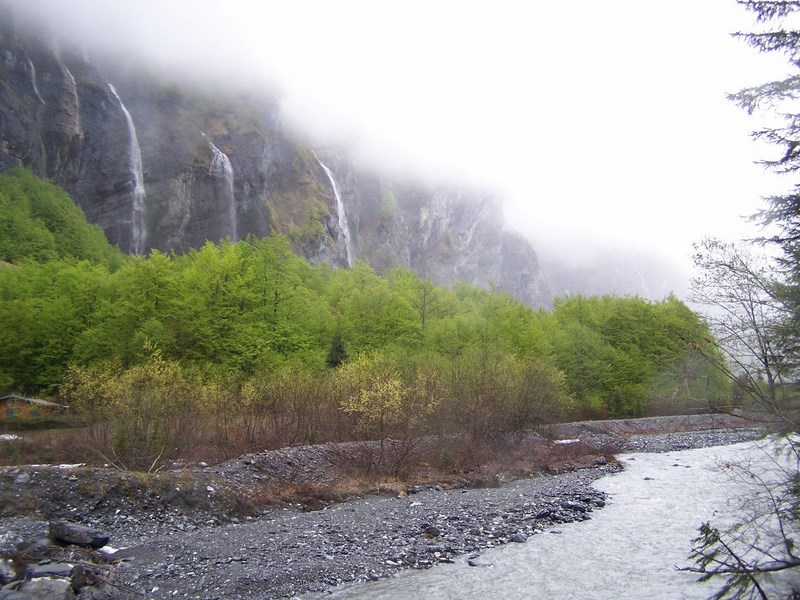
x: 274, y: 350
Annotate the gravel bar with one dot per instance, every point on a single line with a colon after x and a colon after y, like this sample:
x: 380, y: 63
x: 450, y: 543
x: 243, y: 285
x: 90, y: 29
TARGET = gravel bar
x: 288, y: 552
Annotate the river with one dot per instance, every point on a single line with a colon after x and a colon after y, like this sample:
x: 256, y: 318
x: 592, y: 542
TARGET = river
x: 628, y: 550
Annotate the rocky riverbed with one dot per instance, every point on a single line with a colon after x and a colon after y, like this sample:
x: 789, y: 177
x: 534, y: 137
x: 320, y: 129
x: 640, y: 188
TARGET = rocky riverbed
x: 286, y: 550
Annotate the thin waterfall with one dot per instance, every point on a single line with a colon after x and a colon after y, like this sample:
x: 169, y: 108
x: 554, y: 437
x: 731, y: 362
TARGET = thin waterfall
x: 33, y: 81
x: 340, y: 212
x: 221, y: 167
x: 645, y: 289
x: 138, y: 231
x: 72, y: 88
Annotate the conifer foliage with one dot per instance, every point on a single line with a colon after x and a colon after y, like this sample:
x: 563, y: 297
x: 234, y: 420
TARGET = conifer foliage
x: 758, y: 327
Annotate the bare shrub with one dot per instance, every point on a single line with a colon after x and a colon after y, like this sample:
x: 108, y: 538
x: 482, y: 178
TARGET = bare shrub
x: 139, y: 417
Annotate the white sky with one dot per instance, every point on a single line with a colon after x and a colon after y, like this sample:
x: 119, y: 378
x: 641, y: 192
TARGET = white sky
x: 593, y: 120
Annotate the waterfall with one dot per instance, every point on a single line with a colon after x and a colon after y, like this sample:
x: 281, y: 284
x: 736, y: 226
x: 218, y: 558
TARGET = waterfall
x: 72, y: 88
x: 138, y: 230
x: 645, y: 289
x: 341, y: 213
x: 221, y: 167
x: 33, y: 80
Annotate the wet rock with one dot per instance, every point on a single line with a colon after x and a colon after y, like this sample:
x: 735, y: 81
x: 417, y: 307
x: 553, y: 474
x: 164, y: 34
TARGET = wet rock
x: 80, y: 535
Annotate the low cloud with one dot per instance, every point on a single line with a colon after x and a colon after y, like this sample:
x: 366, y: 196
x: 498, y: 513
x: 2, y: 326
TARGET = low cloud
x: 596, y: 123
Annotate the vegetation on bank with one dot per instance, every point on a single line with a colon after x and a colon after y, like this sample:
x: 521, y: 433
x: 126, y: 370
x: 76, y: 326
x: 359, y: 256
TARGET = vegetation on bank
x: 266, y: 349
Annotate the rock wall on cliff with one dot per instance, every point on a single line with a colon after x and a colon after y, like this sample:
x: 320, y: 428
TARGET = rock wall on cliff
x: 218, y: 164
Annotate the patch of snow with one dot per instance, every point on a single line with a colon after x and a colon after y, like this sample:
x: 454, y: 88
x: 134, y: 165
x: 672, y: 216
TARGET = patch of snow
x: 9, y: 437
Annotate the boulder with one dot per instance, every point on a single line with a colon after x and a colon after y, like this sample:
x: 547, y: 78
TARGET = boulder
x: 53, y: 569
x: 72, y: 533
x: 45, y: 588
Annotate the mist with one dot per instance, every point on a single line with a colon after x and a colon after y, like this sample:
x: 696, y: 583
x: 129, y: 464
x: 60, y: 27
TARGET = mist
x: 600, y: 126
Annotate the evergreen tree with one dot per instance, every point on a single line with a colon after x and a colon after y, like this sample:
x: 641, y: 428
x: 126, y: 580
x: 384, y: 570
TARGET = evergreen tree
x: 782, y: 211
x: 337, y: 353
x: 762, y: 315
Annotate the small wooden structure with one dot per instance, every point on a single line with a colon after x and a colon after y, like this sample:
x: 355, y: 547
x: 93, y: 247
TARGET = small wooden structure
x: 21, y: 407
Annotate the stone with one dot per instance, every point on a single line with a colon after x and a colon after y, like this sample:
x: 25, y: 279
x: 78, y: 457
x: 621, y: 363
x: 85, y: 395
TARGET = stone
x: 7, y: 574
x: 46, y: 588
x: 9, y: 542
x: 98, y: 592
x: 431, y: 532
x: 519, y: 538
x: 574, y: 506
x: 72, y: 533
x: 82, y: 577
x: 55, y: 569
x: 22, y: 478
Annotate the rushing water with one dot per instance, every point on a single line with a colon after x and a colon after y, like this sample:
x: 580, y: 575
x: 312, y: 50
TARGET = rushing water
x: 221, y: 168
x: 340, y: 212
x: 138, y: 195
x: 628, y: 550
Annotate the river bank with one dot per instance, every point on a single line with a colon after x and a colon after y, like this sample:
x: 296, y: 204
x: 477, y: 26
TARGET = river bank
x: 287, y: 551
x: 634, y: 547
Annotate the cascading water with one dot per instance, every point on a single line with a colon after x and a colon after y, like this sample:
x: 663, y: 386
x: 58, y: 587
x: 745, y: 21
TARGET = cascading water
x: 221, y: 167
x: 33, y: 81
x: 138, y: 231
x: 72, y: 88
x: 341, y: 213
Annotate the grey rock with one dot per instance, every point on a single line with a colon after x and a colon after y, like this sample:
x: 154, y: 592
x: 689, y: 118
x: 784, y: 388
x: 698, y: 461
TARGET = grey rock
x: 72, y: 533
x: 7, y: 574
x: 9, y: 541
x: 98, y: 592
x: 9, y: 594
x: 431, y: 531
x: 22, y: 478
x: 53, y: 569
x: 47, y: 589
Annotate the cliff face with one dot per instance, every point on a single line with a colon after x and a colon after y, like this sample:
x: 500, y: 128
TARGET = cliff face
x: 163, y: 164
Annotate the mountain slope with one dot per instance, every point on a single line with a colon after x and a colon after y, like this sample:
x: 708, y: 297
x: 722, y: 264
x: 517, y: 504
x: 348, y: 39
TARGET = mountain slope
x: 158, y: 162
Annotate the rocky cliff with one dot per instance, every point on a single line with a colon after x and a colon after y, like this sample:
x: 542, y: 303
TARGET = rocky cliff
x: 159, y: 162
